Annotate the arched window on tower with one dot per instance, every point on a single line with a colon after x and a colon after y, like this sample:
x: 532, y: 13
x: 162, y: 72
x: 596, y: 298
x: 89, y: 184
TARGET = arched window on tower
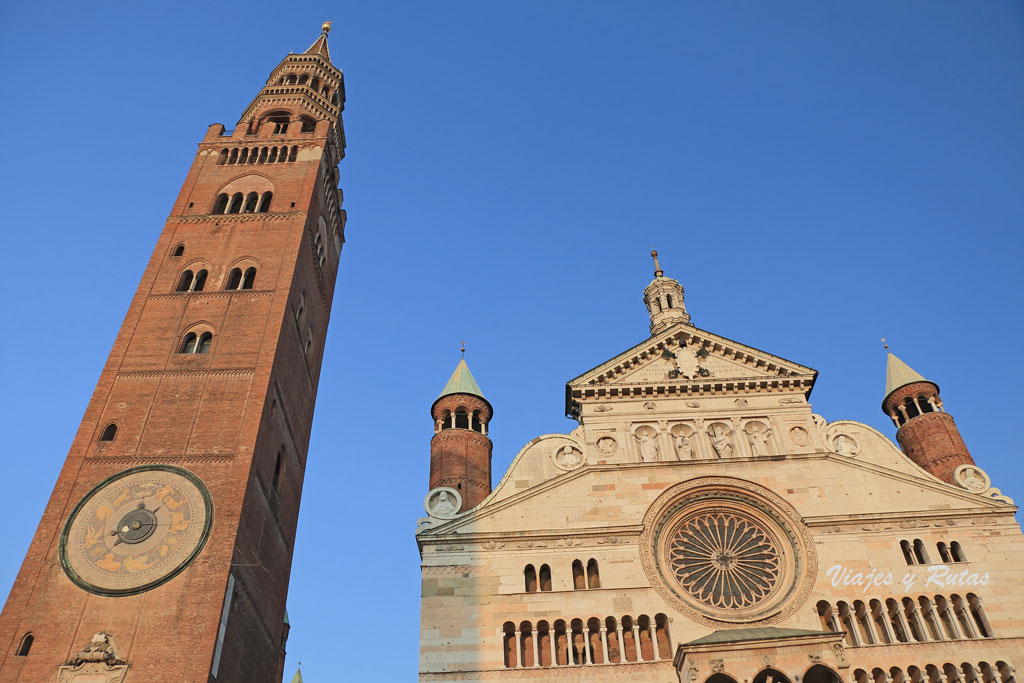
x: 251, y: 201
x: 109, y: 432
x: 179, y: 250
x: 910, y: 407
x: 315, y: 83
x: 25, y: 645
x: 185, y: 281
x: 908, y: 552
x: 919, y: 552
x: 530, y: 578
x: 236, y: 203
x: 222, y: 158
x: 294, y: 153
x: 233, y: 158
x: 265, y: 202
x: 545, y: 578
x: 188, y: 344
x: 446, y: 421
x: 461, y: 418
x: 309, y: 340
x: 200, y: 281
x: 300, y: 308
x: 249, y: 279
x: 944, y: 552
x: 957, y: 552
x: 205, y: 340
x: 475, y: 423
x: 579, y: 581
x: 273, y: 155
x: 593, y: 578
x: 234, y: 278
x: 221, y: 205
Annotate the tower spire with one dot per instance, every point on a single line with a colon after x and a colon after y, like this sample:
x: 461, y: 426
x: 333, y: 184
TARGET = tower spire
x: 664, y: 300
x: 927, y: 433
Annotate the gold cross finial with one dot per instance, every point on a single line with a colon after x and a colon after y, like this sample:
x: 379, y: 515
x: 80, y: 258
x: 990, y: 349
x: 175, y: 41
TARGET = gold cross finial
x: 658, y: 272
x: 326, y: 28
x: 884, y: 344
x: 463, y: 342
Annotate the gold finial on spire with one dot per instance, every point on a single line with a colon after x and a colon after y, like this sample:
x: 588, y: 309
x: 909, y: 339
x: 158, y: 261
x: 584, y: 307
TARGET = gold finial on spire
x: 326, y: 28
x: 885, y: 344
x: 658, y: 272
x: 463, y: 342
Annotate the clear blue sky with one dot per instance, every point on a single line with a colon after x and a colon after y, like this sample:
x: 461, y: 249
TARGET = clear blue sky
x: 817, y: 174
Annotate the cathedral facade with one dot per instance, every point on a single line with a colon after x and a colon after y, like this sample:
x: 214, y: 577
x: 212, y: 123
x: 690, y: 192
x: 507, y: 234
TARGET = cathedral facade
x: 703, y: 524
x: 164, y: 552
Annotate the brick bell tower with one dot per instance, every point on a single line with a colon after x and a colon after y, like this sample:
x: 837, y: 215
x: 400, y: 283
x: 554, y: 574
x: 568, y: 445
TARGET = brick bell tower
x: 460, y: 451
x: 164, y: 552
x: 927, y: 433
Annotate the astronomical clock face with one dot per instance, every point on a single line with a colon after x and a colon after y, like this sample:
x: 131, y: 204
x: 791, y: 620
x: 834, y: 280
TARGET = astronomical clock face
x: 136, y: 530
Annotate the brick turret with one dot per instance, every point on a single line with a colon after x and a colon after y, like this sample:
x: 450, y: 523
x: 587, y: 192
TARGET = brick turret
x: 927, y: 433
x: 460, y: 452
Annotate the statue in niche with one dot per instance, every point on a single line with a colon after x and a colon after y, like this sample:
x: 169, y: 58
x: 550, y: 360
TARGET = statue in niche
x: 684, y: 447
x: 444, y: 505
x: 759, y: 441
x: 569, y: 458
x: 721, y: 440
x: 845, y: 445
x: 648, y: 447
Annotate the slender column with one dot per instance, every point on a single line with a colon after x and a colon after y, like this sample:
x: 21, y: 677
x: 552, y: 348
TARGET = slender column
x: 585, y: 632
x: 604, y: 644
x: 957, y: 635
x: 654, y: 640
x: 933, y: 619
x: 887, y: 624
x: 915, y: 614
x: 569, y: 661
x: 870, y: 623
x: 551, y: 644
x: 919, y: 411
x: 636, y: 642
x: 903, y: 410
x: 904, y: 624
x: 895, y: 421
x: 971, y: 631
x: 622, y: 646
x: 519, y: 651
x: 536, y: 653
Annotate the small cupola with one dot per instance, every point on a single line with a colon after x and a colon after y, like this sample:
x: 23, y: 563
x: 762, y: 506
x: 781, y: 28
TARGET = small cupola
x: 664, y: 300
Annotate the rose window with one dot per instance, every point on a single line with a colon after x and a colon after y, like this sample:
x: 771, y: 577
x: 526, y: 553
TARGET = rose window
x: 724, y: 560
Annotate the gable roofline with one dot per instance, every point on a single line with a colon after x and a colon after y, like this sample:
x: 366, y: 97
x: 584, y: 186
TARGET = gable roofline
x: 790, y: 372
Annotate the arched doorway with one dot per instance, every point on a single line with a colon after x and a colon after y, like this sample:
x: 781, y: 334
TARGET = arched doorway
x: 819, y: 673
x: 771, y: 676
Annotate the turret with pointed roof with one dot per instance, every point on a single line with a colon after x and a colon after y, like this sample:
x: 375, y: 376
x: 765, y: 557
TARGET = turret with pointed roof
x: 927, y: 433
x: 460, y: 451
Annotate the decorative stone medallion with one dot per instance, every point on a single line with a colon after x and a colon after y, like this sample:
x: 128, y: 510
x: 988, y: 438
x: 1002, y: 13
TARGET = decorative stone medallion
x: 444, y: 502
x: 799, y: 436
x: 136, y: 530
x: 844, y: 444
x: 568, y: 458
x: 972, y: 478
x: 727, y: 551
x: 607, y: 446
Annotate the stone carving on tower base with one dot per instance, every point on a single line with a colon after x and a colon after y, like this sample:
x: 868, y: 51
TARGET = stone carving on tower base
x: 97, y: 662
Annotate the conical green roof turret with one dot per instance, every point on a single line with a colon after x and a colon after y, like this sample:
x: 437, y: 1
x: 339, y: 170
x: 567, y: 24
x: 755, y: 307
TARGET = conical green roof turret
x: 462, y: 382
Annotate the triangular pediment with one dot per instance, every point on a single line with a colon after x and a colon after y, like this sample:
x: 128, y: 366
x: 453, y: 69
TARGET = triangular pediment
x: 686, y: 355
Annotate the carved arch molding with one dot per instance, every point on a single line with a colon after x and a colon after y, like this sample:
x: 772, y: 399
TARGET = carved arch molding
x: 724, y: 551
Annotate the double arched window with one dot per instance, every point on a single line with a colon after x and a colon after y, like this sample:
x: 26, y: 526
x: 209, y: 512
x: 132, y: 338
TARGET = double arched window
x: 196, y: 343
x: 239, y: 279
x: 191, y: 282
